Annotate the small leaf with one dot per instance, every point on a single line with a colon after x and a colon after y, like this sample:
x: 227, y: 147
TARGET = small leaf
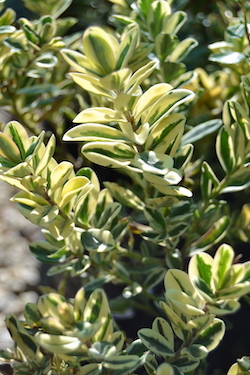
x: 200, y: 131
x: 108, y: 215
x: 43, y: 250
x: 161, y: 326
x: 47, y: 61
x: 90, y: 369
x: 91, y: 84
x: 74, y: 186
x: 166, y: 104
x: 47, y: 155
x: 155, y: 342
x: 129, y: 41
x: 121, y: 364
x: 182, y: 50
x: 156, y: 219
x: 9, y: 149
x: 223, y: 260
x: 124, y: 196
x: 208, y: 181
x: 157, y: 16
x: 211, y: 336
x: 166, y: 135
x: 228, y: 58
x: 108, y: 154
x: 174, y: 22
x: 165, y: 369
x: 201, y: 265
x: 225, y: 150
x: 98, y: 240
x: 19, y: 135
x: 214, y: 235
x: 94, y: 132
x: 100, y: 49
x: 152, y: 162
x: 99, y: 114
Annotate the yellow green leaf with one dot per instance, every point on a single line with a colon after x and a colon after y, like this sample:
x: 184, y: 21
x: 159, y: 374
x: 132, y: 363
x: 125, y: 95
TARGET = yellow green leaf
x: 9, y: 149
x: 100, y: 49
x: 98, y: 114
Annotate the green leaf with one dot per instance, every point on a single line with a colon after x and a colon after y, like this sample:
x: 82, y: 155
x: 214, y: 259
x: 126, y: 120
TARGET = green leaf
x: 200, y: 131
x: 208, y: 181
x: 47, y: 61
x: 151, y: 96
x: 121, y: 365
x: 164, y: 45
x: 156, y: 17
x: 214, y: 235
x: 47, y: 155
x: 228, y: 58
x: 76, y: 185
x: 182, y: 50
x: 241, y: 116
x: 108, y: 215
x: 186, y: 364
x: 223, y: 307
x: 43, y: 251
x: 91, y: 84
x: 152, y: 162
x: 43, y: 215
x: 100, y: 49
x: 76, y: 59
x: 237, y: 30
x: 94, y: 132
x: 156, y: 219
x: 124, y: 195
x: 154, y: 278
x: 31, y: 314
x: 201, y: 265
x: 211, y: 336
x: 57, y: 344
x: 204, y: 289
x: 161, y: 326
x: 9, y: 149
x: 184, y: 303
x: 61, y: 228
x: 14, y: 44
x: 98, y: 240
x: 53, y: 7
x: 225, y: 151
x: 19, y: 135
x: 59, y: 175
x: 174, y: 22
x: 165, y: 369
x: 166, y: 135
x: 23, y: 340
x: 99, y: 114
x: 139, y: 76
x: 155, y: 342
x: 108, y: 154
x: 172, y: 71
x: 90, y: 369
x: 179, y: 280
x: 223, y: 260
x: 129, y: 41
x: 97, y: 311
x: 167, y: 103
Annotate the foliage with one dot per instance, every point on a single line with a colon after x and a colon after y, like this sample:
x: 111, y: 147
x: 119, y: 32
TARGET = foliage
x: 158, y: 231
